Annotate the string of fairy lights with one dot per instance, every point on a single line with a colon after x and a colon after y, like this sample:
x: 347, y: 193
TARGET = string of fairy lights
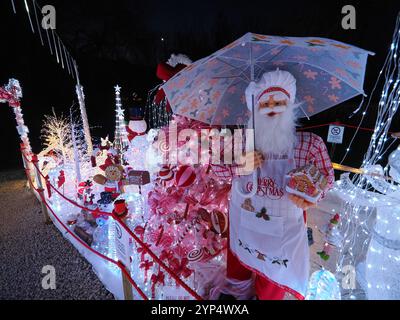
x: 42, y: 25
x: 369, y: 214
x: 37, y: 15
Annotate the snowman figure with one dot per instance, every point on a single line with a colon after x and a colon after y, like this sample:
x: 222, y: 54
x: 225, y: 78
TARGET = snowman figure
x: 137, y: 137
x: 383, y: 256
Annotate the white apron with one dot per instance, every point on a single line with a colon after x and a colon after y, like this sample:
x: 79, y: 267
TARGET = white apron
x: 271, y: 241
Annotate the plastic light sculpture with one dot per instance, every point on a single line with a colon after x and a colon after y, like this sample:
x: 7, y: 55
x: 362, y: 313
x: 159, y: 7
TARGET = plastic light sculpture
x: 376, y: 239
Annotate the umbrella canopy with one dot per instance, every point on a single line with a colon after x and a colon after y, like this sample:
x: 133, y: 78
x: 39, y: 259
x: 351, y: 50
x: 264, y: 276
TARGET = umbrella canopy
x: 212, y: 89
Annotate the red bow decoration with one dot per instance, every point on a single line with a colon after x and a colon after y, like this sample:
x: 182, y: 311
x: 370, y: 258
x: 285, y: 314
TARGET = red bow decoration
x: 132, y: 134
x: 48, y: 186
x: 84, y: 185
x: 106, y: 147
x: 110, y: 161
x: 61, y: 179
x: 10, y: 97
x: 156, y: 278
x: 139, y: 230
x: 166, y: 72
x: 142, y: 253
x: 146, y: 265
x: 180, y: 267
x: 190, y: 200
x: 166, y: 255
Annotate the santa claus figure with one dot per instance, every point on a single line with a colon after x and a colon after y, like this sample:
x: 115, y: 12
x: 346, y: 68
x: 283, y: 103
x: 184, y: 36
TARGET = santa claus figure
x: 268, y: 251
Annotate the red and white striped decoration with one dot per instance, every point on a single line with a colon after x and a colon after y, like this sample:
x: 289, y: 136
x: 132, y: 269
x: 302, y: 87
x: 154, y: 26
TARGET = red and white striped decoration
x: 166, y: 173
x: 185, y: 177
x: 219, y: 221
x: 188, y: 227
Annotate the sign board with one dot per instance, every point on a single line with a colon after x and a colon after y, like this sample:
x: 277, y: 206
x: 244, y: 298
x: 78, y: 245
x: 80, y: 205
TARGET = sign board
x: 123, y: 244
x: 335, y: 134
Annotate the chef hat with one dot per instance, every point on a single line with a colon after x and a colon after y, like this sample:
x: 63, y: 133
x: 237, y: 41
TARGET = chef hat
x: 279, y: 83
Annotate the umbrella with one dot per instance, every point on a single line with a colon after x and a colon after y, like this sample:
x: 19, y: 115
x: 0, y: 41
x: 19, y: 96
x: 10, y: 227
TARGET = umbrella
x: 212, y: 89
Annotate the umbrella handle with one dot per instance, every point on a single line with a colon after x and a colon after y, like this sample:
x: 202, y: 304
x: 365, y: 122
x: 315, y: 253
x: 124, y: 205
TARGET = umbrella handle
x: 250, y: 194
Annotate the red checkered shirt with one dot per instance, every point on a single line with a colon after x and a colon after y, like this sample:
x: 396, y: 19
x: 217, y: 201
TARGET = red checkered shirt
x: 310, y: 149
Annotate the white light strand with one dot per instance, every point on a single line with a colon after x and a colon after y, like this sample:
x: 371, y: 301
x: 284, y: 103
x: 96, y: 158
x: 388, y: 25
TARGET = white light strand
x: 121, y: 141
x: 361, y: 201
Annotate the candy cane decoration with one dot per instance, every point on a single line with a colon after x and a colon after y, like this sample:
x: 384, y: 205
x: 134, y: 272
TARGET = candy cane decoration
x: 187, y: 230
x: 12, y: 93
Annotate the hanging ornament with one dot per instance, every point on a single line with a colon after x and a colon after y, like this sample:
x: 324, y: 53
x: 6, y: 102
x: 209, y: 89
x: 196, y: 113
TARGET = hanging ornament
x: 219, y: 222
x: 185, y: 176
x: 166, y: 173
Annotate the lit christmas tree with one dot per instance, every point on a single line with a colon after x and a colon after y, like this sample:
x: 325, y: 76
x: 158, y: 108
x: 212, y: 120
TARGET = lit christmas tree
x: 121, y: 137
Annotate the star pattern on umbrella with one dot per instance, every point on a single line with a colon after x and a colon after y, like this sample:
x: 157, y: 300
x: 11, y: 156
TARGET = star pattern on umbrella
x: 335, y: 83
x: 334, y: 98
x: 309, y: 99
x: 353, y: 64
x: 317, y: 41
x: 326, y: 75
x: 310, y: 74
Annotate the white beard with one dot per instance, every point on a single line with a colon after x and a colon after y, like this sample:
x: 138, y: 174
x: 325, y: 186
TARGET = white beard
x: 275, y: 134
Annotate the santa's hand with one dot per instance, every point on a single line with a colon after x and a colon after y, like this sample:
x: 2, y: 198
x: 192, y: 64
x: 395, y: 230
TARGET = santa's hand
x: 251, y: 161
x: 301, y: 202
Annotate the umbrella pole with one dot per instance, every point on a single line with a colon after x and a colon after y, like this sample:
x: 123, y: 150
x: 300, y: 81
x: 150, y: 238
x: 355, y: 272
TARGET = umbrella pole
x: 255, y: 174
x: 252, y: 94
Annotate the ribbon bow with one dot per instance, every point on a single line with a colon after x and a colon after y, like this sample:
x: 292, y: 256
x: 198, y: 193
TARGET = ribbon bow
x: 180, y: 267
x: 132, y: 134
x: 146, y: 265
x: 166, y: 255
x: 110, y: 161
x: 61, y: 179
x: 156, y: 278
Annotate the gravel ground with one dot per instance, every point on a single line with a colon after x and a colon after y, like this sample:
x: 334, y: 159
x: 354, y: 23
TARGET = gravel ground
x: 27, y: 244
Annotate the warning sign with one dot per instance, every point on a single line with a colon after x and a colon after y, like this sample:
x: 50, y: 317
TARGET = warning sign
x: 335, y: 134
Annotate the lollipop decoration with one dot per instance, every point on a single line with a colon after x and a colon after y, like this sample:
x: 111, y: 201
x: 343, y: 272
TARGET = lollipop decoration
x: 195, y: 255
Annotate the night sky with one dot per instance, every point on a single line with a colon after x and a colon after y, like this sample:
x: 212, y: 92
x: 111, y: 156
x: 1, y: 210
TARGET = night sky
x: 120, y: 42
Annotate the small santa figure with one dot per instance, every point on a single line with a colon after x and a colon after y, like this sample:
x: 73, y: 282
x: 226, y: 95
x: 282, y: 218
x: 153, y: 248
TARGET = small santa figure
x: 268, y: 233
